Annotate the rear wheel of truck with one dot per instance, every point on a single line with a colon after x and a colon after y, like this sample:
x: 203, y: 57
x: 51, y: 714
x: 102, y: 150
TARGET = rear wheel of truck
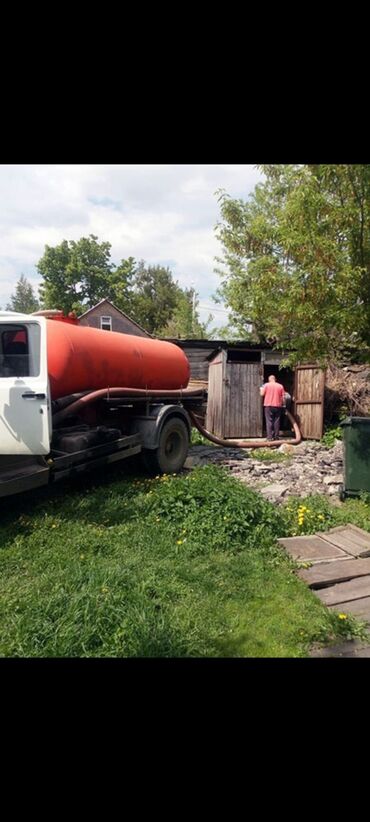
x: 172, y: 450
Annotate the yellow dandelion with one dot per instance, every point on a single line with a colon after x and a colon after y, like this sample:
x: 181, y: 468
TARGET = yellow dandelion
x: 342, y: 616
x: 320, y: 517
x: 82, y: 556
x: 179, y: 542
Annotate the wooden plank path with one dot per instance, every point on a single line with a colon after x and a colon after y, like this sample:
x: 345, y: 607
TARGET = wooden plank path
x: 339, y: 572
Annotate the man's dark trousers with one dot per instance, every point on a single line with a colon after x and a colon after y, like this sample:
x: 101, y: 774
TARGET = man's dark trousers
x: 272, y: 414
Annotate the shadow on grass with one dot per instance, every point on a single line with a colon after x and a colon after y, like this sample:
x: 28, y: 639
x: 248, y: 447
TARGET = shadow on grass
x: 54, y: 498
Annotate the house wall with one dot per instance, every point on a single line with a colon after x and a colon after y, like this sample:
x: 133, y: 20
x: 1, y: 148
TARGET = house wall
x: 119, y: 322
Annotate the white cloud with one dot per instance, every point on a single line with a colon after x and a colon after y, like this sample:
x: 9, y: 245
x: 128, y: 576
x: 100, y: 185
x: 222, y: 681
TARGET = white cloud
x: 164, y: 214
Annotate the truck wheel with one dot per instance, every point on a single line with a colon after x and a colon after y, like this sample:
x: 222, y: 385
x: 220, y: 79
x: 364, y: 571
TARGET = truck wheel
x: 172, y: 450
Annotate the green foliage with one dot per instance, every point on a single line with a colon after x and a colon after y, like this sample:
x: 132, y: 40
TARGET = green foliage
x: 346, y: 626
x: 155, y: 296
x: 171, y: 567
x: 296, y: 259
x: 23, y: 299
x: 211, y: 507
x: 76, y: 275
x: 331, y: 435
x: 120, y: 286
x: 184, y: 322
x: 269, y: 455
x: 198, y: 439
x: 316, y: 513
x: 308, y: 515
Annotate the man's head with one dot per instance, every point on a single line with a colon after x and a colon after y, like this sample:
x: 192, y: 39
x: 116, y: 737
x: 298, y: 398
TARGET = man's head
x: 272, y: 378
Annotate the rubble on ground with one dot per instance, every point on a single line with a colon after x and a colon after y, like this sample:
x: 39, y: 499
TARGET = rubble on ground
x: 311, y: 468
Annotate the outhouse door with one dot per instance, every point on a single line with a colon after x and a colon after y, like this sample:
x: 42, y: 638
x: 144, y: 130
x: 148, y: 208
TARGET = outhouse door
x: 242, y: 400
x: 309, y: 400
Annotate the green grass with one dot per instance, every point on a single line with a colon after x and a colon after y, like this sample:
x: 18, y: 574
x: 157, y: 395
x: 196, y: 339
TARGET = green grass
x: 269, y: 455
x: 198, y: 439
x: 317, y: 513
x: 173, y: 567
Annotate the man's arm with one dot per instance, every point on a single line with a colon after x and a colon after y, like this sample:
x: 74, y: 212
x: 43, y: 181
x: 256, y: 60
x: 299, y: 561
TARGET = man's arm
x: 262, y: 391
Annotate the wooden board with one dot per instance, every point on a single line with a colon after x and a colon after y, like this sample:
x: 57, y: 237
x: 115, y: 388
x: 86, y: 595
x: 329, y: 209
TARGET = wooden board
x: 349, y: 538
x: 215, y: 409
x: 242, y: 400
x: 309, y: 400
x: 310, y: 548
x: 329, y: 573
x: 360, y: 608
x: 345, y: 591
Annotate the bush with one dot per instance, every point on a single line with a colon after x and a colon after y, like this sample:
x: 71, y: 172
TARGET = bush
x: 331, y: 435
x: 216, y: 510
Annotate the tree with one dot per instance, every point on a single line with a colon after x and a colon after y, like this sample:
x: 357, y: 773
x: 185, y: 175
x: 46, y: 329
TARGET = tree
x: 121, y: 284
x: 296, y: 259
x: 184, y: 322
x: 23, y: 299
x: 154, y: 296
x: 76, y: 275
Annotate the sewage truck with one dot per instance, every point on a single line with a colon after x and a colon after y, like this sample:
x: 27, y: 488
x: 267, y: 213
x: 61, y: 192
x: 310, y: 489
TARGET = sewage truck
x: 74, y: 398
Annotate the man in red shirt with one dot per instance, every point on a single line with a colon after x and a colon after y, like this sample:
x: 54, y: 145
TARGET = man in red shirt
x: 273, y: 398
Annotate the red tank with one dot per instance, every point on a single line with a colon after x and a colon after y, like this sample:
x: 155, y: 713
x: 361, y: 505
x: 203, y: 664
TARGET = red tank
x: 82, y: 358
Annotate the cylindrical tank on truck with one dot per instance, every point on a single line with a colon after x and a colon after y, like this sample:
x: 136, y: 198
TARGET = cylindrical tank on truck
x: 82, y: 358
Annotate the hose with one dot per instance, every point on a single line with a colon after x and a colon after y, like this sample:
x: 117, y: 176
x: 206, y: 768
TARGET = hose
x: 92, y: 396
x: 244, y: 443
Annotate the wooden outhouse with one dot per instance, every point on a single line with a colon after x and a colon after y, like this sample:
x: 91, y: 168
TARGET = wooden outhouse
x: 235, y: 406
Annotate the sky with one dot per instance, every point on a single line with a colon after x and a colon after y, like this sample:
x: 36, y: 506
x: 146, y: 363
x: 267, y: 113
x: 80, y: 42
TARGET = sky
x: 163, y: 214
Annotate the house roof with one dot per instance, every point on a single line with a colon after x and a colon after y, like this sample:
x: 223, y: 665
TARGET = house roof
x: 116, y: 309
x: 218, y: 344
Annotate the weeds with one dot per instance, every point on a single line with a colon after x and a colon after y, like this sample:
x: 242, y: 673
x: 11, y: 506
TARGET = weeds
x: 170, y: 567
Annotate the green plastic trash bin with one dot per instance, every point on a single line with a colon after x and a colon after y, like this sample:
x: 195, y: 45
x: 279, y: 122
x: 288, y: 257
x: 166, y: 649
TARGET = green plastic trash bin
x: 356, y: 456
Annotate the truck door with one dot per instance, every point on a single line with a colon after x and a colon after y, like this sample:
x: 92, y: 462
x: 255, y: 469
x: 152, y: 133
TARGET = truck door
x: 24, y: 396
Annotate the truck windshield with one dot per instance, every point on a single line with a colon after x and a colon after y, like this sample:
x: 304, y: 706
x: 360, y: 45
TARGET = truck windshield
x: 14, y: 352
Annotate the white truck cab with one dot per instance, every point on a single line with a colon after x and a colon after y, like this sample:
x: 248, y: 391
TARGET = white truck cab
x: 25, y: 405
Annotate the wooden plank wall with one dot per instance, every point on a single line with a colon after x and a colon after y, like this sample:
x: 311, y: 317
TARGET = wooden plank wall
x: 198, y: 363
x: 215, y: 404
x: 242, y: 400
x: 309, y: 400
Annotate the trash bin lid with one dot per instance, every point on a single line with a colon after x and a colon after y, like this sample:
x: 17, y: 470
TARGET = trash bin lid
x: 356, y: 421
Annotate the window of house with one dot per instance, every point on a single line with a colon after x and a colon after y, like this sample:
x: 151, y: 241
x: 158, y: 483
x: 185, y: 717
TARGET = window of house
x: 106, y: 323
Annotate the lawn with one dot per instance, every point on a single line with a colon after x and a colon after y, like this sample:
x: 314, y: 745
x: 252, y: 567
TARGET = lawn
x: 127, y: 566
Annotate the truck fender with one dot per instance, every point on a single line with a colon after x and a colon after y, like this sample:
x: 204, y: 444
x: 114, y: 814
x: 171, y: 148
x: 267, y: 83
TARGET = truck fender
x: 149, y: 427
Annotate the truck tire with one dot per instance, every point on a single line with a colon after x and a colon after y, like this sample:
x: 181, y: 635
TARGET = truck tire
x: 172, y: 450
